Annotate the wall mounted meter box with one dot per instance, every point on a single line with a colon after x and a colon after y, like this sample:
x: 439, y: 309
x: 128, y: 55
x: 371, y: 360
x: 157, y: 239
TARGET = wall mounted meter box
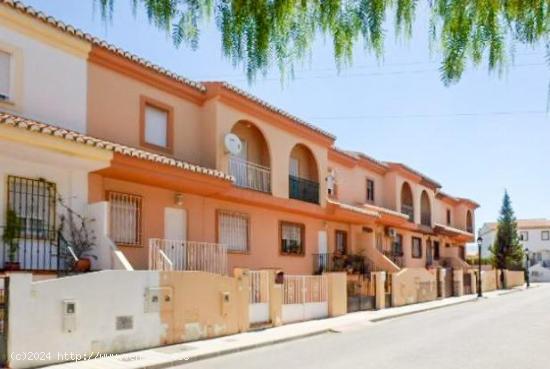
x: 69, y: 315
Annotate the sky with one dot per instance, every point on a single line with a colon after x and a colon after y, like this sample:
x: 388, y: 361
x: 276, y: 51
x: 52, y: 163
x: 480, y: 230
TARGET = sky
x: 477, y: 138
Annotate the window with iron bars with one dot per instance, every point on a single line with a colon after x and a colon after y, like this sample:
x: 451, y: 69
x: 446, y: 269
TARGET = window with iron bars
x: 125, y: 218
x: 33, y: 202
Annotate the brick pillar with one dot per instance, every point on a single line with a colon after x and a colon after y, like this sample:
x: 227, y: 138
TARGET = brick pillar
x: 379, y: 287
x: 458, y: 282
x: 337, y: 294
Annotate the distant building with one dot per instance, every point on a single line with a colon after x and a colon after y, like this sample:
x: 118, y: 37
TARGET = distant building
x: 534, y: 235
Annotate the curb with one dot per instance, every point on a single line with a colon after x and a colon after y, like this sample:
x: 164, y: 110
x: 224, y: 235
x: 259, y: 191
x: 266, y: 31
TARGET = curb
x: 236, y: 349
x: 399, y: 315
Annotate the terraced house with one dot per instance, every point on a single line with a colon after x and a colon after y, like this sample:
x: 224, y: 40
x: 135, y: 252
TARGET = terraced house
x: 169, y: 166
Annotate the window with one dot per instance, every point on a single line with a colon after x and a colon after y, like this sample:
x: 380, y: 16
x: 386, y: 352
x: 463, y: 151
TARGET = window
x: 524, y: 236
x: 370, y: 190
x: 398, y: 245
x: 436, y: 250
x: 156, y: 125
x: 545, y: 235
x: 294, y: 169
x: 416, y: 247
x: 341, y: 242
x: 448, y: 217
x: 125, y: 218
x: 5, y: 75
x: 379, y: 242
x: 292, y: 238
x: 233, y: 230
x: 33, y: 202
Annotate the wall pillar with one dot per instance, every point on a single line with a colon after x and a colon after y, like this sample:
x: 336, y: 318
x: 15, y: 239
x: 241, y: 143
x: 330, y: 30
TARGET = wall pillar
x: 473, y: 281
x: 337, y: 294
x: 275, y: 300
x: 243, y: 298
x: 379, y: 288
x: 441, y: 272
x: 458, y: 282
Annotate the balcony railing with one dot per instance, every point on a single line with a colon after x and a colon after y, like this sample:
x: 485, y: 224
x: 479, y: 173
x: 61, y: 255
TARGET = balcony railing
x: 409, y: 211
x: 426, y: 219
x: 250, y: 175
x: 170, y: 255
x: 303, y: 189
x: 36, y: 249
x: 352, y: 264
x: 395, y: 256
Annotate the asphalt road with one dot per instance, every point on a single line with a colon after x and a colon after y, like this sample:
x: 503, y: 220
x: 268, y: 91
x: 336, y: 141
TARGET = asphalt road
x: 507, y: 332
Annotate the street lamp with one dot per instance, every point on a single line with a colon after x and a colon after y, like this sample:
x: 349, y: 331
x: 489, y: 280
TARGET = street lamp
x: 527, y: 268
x: 479, y: 243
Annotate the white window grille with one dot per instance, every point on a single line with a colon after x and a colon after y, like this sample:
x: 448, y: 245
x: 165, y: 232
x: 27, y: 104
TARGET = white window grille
x: 292, y: 238
x: 233, y: 230
x: 125, y: 218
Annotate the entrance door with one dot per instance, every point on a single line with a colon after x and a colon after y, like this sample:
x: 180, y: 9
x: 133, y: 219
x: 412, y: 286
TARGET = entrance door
x: 429, y: 253
x: 322, y: 256
x: 175, y: 224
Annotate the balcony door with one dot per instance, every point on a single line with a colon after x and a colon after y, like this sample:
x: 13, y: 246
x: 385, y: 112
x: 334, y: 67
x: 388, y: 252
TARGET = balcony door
x: 175, y: 224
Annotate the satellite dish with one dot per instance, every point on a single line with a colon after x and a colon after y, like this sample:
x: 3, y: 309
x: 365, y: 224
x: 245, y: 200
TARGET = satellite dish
x: 233, y: 143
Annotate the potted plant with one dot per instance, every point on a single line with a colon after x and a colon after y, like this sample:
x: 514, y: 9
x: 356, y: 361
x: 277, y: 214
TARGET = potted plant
x: 11, y: 235
x: 80, y: 239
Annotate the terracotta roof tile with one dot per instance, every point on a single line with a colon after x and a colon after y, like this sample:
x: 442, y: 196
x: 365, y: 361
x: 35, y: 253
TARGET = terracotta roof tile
x: 99, y: 42
x: 273, y: 108
x: 62, y: 133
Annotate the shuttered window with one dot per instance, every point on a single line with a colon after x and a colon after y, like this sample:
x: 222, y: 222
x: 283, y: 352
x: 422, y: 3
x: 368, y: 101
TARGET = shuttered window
x: 233, y: 230
x: 125, y: 218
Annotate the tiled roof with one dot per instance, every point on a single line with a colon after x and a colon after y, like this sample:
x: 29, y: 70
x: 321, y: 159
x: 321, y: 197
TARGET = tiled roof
x: 385, y: 210
x: 69, y: 135
x: 425, y: 178
x: 356, y: 209
x: 524, y: 224
x: 457, y: 199
x: 98, y: 42
x: 273, y: 108
x: 360, y: 155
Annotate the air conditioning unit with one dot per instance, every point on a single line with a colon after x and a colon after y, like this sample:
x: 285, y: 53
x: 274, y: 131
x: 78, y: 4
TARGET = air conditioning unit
x: 391, y: 232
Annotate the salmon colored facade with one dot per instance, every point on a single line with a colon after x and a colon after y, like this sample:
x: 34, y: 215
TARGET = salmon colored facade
x: 278, y: 146
x: 294, y: 201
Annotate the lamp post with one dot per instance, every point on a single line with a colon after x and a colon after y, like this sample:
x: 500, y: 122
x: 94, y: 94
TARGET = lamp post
x: 479, y: 242
x: 527, y: 268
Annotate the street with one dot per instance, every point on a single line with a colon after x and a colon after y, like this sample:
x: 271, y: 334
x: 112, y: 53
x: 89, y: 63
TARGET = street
x: 510, y: 331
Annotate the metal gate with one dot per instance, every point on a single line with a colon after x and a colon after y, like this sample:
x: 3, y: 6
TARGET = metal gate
x: 449, y: 285
x: 361, y: 293
x: 467, y: 279
x: 258, y: 308
x: 305, y: 297
x: 4, y: 303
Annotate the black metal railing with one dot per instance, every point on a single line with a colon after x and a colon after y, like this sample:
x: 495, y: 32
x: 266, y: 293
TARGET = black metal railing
x: 303, y: 189
x: 35, y: 249
x: 395, y: 256
x: 409, y: 211
x: 351, y: 264
x: 426, y: 219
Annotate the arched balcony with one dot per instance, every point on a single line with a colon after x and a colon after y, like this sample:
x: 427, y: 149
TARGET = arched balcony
x: 303, y: 179
x: 469, y: 222
x: 407, y: 204
x: 251, y: 167
x: 425, y: 210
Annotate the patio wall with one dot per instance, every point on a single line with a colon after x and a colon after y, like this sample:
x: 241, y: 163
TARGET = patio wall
x: 413, y: 285
x: 121, y: 311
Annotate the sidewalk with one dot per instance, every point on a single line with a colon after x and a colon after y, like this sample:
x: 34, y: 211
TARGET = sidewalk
x: 167, y: 356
